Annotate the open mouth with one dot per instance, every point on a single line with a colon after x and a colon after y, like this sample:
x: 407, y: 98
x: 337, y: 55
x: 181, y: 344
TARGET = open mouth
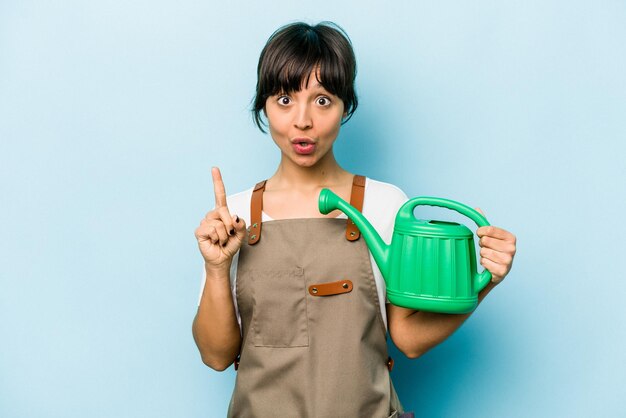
x: 303, y: 148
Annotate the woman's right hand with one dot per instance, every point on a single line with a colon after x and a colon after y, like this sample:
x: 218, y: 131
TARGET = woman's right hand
x: 220, y: 234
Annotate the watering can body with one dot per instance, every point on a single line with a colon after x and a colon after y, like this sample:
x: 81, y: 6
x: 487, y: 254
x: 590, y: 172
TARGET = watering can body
x: 429, y: 265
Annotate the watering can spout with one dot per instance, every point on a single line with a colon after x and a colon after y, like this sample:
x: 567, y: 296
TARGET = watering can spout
x: 329, y: 201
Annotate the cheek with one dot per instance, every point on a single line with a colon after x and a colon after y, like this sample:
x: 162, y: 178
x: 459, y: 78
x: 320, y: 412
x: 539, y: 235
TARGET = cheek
x: 275, y: 120
x: 332, y: 124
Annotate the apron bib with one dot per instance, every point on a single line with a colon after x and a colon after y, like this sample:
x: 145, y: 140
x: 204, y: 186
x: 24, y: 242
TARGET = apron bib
x: 314, y: 341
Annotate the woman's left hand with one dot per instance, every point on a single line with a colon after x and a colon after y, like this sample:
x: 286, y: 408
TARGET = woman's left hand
x: 497, y: 249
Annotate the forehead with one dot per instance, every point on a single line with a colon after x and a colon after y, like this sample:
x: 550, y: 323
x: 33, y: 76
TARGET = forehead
x: 314, y: 77
x: 313, y: 80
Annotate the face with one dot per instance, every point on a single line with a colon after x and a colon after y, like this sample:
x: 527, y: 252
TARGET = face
x: 305, y: 124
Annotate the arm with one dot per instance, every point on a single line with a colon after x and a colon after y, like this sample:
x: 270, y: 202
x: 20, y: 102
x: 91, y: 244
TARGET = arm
x: 215, y: 329
x: 416, y: 332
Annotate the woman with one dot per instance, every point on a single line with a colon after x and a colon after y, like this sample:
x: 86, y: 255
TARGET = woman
x: 296, y: 301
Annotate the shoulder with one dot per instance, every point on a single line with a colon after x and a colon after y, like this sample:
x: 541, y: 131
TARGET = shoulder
x: 382, y: 198
x: 381, y: 190
x: 381, y: 204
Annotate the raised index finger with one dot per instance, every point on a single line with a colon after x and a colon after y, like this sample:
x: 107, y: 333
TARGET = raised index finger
x: 218, y: 187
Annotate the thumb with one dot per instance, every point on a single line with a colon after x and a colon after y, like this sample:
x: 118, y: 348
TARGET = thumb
x: 240, y: 227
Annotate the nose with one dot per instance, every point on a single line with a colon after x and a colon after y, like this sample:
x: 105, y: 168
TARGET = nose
x: 303, y: 118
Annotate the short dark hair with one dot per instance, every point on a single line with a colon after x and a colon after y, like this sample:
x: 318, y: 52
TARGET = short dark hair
x: 293, y: 51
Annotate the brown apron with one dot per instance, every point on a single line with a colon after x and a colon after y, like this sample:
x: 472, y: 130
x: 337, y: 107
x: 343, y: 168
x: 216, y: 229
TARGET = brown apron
x: 314, y: 341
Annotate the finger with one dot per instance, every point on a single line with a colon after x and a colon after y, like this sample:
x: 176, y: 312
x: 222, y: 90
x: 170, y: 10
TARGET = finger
x: 203, y: 231
x: 498, y: 271
x: 218, y: 188
x: 212, y: 234
x: 227, y: 220
x: 479, y: 210
x: 220, y: 229
x: 497, y: 244
x: 496, y: 256
x: 234, y: 242
x: 495, y: 232
x: 240, y: 227
x: 213, y: 215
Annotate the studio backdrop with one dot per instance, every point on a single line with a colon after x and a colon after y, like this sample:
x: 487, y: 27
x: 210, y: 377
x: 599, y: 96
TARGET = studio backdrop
x: 113, y: 112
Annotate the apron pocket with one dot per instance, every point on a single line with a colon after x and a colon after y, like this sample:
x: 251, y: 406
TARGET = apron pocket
x: 279, y: 317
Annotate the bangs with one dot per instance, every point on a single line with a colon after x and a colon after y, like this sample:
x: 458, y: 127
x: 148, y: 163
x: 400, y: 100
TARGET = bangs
x: 292, y: 70
x: 296, y: 51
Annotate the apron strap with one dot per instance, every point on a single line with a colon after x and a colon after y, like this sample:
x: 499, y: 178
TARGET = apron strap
x: 356, y: 200
x: 256, y: 211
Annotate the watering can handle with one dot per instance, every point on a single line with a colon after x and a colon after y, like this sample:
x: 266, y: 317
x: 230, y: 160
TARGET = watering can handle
x: 406, y: 214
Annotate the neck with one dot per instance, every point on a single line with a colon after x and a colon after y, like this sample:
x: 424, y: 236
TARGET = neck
x: 325, y: 173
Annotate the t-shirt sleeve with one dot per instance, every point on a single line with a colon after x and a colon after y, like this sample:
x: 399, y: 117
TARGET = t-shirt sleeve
x: 380, y: 206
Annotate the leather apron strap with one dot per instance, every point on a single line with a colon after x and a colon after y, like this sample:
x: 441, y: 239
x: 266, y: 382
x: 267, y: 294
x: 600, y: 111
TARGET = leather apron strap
x: 256, y: 210
x: 356, y: 199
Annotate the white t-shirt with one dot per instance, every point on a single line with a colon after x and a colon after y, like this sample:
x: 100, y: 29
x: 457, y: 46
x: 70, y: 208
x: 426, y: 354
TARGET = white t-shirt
x: 380, y: 205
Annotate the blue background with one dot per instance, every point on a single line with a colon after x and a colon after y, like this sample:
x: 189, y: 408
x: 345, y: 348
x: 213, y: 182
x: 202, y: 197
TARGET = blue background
x: 112, y: 113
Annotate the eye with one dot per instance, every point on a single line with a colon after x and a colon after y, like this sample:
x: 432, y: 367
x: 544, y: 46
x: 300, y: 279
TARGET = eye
x: 284, y: 100
x: 323, y: 101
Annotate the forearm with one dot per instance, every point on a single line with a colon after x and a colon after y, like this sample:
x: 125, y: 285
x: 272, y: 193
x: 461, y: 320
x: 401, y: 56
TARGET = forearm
x: 215, y: 327
x: 416, y: 332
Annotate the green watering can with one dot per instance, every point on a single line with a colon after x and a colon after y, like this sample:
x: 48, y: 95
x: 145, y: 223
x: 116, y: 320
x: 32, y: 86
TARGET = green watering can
x: 430, y: 265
